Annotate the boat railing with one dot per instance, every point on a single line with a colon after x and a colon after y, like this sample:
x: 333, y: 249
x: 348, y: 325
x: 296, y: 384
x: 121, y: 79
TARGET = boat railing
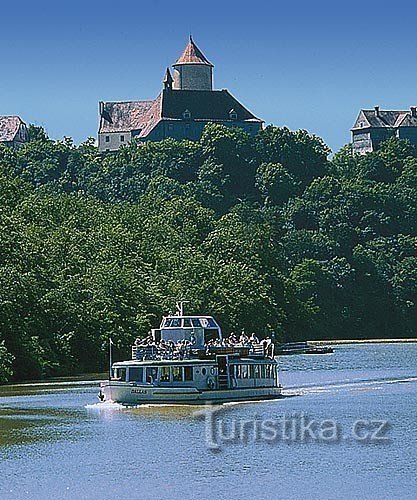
x: 155, y: 352
x: 144, y: 353
x: 255, y: 350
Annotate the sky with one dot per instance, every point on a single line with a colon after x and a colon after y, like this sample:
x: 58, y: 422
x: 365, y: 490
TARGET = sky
x: 302, y: 64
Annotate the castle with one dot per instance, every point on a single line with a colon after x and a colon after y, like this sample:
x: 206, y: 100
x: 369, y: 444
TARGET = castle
x: 374, y: 126
x: 185, y: 105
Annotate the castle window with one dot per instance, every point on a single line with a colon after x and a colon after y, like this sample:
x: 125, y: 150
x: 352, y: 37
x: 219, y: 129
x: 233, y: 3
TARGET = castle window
x: 107, y: 138
x: 186, y: 114
x: 122, y: 138
x: 232, y: 114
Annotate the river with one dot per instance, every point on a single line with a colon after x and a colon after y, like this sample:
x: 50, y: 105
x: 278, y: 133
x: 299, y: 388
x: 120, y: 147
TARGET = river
x: 57, y: 441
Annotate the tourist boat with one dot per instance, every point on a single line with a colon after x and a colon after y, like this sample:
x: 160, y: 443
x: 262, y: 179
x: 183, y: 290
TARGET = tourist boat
x: 302, y: 348
x: 187, y: 361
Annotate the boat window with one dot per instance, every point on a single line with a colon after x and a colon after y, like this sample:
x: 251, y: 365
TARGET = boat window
x: 121, y: 374
x: 211, y: 323
x: 188, y: 373
x: 204, y: 322
x: 187, y: 323
x: 135, y: 374
x: 177, y: 373
x: 238, y: 371
x: 167, y: 323
x: 268, y: 371
x: 245, y: 371
x: 251, y: 371
x: 203, y: 371
x: 164, y: 376
x: 176, y: 322
x: 263, y: 372
x: 196, y: 323
x: 151, y: 374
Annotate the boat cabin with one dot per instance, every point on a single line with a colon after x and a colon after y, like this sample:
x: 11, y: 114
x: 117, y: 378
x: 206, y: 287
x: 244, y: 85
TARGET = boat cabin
x: 197, y: 330
x: 222, y: 373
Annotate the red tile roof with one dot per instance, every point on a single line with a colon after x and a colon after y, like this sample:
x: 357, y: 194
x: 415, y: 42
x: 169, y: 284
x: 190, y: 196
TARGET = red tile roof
x: 123, y: 116
x: 192, y: 55
x: 204, y: 105
x: 9, y: 126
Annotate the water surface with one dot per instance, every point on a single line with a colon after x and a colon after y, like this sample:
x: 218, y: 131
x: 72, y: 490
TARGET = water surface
x: 57, y: 442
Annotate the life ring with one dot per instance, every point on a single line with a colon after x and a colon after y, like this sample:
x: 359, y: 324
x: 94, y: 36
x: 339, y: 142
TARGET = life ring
x: 211, y: 384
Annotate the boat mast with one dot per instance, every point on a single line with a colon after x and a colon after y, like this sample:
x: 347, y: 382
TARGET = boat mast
x: 110, y: 356
x: 180, y: 307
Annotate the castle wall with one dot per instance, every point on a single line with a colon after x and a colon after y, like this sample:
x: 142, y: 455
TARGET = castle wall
x: 193, y: 130
x: 409, y: 133
x: 112, y: 141
x: 362, y: 142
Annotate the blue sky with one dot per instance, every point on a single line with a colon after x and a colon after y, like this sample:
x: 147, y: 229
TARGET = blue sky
x: 302, y: 64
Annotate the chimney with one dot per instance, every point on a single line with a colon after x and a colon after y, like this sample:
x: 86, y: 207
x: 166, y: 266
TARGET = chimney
x: 413, y: 110
x: 101, y: 107
x: 377, y: 111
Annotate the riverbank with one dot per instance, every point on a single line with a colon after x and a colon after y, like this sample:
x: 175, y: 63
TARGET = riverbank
x: 26, y: 386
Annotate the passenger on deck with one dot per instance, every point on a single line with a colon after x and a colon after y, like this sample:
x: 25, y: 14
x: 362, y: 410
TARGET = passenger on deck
x: 233, y: 340
x: 267, y: 345
x: 243, y: 339
x: 253, y: 339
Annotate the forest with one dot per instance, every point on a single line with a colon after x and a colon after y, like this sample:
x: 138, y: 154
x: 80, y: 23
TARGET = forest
x: 269, y: 234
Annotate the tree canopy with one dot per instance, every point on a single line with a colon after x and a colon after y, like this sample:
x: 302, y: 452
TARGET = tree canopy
x: 266, y: 233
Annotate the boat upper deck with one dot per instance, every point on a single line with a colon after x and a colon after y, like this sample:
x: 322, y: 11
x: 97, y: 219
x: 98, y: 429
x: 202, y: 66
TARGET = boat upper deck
x: 185, y: 350
x: 197, y: 337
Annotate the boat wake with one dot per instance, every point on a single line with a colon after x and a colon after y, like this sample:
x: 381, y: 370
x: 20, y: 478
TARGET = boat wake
x: 350, y: 385
x: 106, y: 406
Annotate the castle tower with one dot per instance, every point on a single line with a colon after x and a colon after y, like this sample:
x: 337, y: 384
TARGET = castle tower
x: 168, y: 80
x: 193, y: 71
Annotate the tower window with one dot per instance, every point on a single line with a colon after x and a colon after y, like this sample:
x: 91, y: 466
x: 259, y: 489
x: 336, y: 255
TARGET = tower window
x: 186, y: 114
x: 122, y: 138
x: 107, y: 138
x: 232, y: 114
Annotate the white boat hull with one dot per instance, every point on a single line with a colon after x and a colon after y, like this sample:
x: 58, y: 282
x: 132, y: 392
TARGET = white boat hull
x: 145, y: 394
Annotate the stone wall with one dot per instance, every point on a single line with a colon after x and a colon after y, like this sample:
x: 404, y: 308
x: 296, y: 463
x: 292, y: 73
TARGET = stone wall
x: 112, y: 141
x: 193, y: 77
x: 362, y: 141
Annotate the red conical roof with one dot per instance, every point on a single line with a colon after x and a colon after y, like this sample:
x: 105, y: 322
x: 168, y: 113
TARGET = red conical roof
x: 192, y: 55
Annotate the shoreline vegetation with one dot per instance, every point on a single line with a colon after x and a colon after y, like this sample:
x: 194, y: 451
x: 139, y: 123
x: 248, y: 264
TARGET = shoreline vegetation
x: 86, y: 378
x: 265, y: 233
